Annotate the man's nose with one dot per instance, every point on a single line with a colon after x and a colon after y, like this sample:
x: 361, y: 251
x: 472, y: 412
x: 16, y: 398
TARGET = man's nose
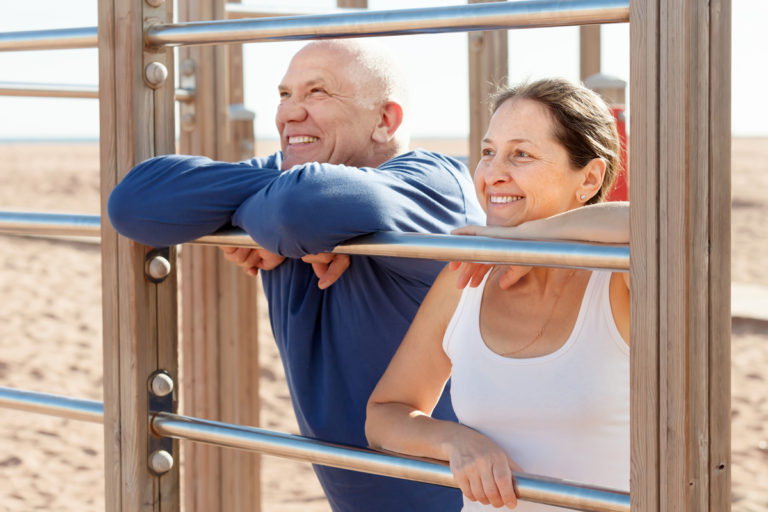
x: 291, y: 110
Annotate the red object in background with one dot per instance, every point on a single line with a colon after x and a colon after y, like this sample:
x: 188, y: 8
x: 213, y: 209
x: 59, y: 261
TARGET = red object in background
x: 620, y: 189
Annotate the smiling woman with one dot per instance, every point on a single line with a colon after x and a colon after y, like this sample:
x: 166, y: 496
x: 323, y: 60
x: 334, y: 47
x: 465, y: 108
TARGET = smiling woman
x: 539, y: 363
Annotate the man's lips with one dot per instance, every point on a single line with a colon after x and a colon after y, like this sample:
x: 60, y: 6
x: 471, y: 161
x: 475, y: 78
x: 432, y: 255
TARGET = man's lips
x: 301, y: 139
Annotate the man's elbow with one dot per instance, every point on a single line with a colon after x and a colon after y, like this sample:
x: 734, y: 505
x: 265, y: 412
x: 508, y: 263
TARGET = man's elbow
x: 125, y: 217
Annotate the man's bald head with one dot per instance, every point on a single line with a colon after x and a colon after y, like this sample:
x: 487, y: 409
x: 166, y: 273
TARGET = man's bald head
x: 372, y: 68
x: 342, y: 103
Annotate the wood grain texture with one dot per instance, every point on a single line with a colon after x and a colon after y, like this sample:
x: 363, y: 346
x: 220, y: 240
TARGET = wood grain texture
x: 679, y: 66
x: 644, y: 253
x: 139, y: 316
x: 488, y: 69
x: 219, y: 302
x: 589, y: 50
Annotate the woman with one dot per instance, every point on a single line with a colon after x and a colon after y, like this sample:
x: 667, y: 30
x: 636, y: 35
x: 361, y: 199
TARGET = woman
x: 538, y: 358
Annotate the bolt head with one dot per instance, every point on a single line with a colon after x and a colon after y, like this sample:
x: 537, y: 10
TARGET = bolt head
x: 155, y: 73
x: 158, y: 268
x: 161, y: 384
x: 161, y: 461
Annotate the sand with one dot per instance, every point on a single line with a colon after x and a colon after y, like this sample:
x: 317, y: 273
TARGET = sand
x: 50, y: 340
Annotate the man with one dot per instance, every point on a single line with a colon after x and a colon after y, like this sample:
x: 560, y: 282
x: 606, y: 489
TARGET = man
x: 341, y: 104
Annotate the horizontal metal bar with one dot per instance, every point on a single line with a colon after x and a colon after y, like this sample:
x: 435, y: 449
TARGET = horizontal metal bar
x: 54, y: 39
x: 50, y: 224
x: 530, y: 487
x: 52, y: 405
x: 240, y: 11
x: 37, y: 90
x: 408, y: 245
x: 459, y: 18
x: 48, y: 90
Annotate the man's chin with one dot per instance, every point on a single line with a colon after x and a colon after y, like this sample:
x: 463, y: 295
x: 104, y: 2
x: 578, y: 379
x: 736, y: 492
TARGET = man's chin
x: 290, y: 158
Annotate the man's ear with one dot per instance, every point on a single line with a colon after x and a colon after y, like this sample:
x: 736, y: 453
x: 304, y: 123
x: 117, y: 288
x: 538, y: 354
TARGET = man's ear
x: 594, y: 173
x: 390, y: 119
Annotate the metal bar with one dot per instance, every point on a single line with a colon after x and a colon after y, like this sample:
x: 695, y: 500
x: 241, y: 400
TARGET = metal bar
x: 49, y: 90
x: 240, y: 11
x: 54, y: 39
x: 68, y: 91
x: 459, y: 18
x: 52, y: 405
x: 409, y: 245
x: 530, y: 488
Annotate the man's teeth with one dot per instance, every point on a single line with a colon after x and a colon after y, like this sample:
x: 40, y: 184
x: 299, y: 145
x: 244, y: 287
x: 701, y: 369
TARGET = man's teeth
x: 303, y: 139
x: 505, y: 199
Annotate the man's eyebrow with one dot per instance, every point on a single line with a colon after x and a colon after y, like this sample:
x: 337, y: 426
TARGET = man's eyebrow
x: 308, y: 83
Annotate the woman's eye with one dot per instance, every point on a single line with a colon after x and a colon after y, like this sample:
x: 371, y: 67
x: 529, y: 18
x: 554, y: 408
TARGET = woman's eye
x: 522, y: 154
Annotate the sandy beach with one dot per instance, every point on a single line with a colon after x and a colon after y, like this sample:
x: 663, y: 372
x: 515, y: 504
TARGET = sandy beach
x: 50, y: 340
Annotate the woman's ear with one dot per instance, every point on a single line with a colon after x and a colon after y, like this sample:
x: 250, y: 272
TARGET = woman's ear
x: 390, y: 119
x: 594, y: 172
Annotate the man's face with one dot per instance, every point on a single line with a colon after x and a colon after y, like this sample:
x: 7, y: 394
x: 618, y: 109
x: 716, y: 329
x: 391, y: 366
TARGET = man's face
x: 324, y: 114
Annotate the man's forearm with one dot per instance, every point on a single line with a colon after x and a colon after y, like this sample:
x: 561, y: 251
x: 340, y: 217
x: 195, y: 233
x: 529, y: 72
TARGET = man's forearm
x: 174, y: 199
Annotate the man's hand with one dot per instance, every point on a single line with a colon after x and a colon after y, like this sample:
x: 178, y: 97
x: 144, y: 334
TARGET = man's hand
x: 327, y: 266
x: 252, y: 259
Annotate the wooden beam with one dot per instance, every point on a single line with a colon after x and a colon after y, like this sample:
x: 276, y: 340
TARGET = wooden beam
x: 220, y: 379
x: 488, y: 69
x: 589, y: 50
x: 139, y: 316
x: 680, y: 196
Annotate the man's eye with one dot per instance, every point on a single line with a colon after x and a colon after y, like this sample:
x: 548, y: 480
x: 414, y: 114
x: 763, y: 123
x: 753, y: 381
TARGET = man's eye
x: 317, y: 90
x: 284, y: 95
x: 486, y: 152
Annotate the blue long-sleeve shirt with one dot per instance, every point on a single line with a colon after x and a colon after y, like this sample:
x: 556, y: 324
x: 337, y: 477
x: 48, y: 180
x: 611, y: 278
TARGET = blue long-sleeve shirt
x: 335, y: 343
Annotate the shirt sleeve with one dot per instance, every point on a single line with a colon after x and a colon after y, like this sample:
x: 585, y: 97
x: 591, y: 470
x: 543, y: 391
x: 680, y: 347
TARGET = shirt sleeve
x: 173, y: 199
x: 314, y: 207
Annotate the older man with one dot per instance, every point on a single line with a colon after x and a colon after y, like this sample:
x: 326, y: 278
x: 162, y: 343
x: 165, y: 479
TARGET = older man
x: 344, y: 170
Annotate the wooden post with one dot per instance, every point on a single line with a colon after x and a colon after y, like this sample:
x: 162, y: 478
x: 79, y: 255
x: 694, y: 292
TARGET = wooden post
x: 139, y: 316
x: 488, y: 68
x: 220, y: 379
x: 680, y: 244
x: 589, y: 50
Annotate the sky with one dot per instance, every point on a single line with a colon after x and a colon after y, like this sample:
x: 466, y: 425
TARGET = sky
x: 436, y: 65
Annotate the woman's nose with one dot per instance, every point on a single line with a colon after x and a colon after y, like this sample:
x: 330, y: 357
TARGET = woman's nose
x: 496, y: 172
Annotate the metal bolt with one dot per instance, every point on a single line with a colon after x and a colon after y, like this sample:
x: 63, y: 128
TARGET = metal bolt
x: 161, y: 384
x: 154, y: 3
x: 187, y: 121
x: 187, y: 67
x: 158, y: 268
x: 161, y: 461
x: 155, y: 74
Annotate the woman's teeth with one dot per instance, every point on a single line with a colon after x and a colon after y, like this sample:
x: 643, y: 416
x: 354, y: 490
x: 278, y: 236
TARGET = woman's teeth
x: 504, y: 199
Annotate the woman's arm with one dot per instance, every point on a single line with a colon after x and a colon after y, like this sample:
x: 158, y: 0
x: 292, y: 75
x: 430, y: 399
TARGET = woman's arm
x: 602, y: 222
x: 398, y: 414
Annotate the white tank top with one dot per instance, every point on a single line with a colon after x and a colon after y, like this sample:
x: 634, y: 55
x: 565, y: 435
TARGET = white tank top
x: 564, y: 414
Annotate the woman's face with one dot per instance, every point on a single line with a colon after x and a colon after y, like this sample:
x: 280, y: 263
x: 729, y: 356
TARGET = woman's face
x: 524, y: 173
